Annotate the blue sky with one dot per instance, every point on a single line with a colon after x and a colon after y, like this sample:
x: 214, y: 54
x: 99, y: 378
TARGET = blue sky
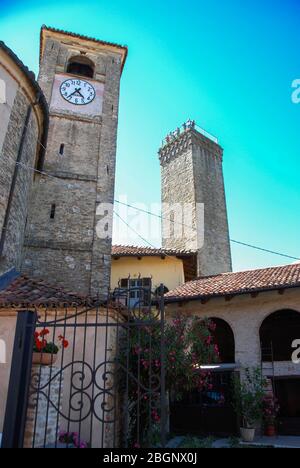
x: 228, y: 65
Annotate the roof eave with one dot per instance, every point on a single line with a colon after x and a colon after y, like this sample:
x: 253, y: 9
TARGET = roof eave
x: 174, y: 299
x: 162, y: 254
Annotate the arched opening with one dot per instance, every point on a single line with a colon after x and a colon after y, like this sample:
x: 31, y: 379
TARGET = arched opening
x: 224, y: 338
x: 277, y: 333
x: 82, y: 66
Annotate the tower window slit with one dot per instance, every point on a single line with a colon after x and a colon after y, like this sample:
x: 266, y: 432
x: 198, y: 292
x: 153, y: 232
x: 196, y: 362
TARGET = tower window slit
x: 52, y: 211
x: 61, y: 149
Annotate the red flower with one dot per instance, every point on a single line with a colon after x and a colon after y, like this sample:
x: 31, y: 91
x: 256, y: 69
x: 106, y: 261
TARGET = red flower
x: 65, y: 343
x: 44, y: 332
x: 209, y: 340
x: 40, y: 344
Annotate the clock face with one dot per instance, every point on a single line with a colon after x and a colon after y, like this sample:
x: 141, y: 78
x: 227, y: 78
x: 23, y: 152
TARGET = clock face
x: 78, y: 92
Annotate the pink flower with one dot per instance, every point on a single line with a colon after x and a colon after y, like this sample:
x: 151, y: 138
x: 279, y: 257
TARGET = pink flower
x: 209, y: 340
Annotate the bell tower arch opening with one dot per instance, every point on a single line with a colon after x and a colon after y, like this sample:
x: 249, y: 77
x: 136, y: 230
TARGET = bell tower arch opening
x: 81, y: 65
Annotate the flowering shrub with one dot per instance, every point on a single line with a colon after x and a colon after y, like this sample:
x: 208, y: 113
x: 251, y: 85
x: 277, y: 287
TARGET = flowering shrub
x: 188, y: 343
x: 270, y: 409
x: 41, y: 345
x: 72, y: 438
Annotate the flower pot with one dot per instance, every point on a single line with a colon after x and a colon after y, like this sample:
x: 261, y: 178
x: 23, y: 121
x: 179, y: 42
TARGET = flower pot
x: 247, y: 434
x: 44, y: 359
x: 270, y: 430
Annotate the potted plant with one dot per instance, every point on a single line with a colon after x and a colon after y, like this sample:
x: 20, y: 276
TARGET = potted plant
x: 270, y: 412
x: 44, y: 352
x: 249, y: 391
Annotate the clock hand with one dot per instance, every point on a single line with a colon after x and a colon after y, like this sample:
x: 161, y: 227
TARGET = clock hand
x: 77, y: 90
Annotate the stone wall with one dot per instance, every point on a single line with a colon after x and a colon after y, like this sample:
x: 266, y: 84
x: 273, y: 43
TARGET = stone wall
x: 215, y: 255
x: 24, y: 118
x: 192, y: 178
x: 12, y: 252
x: 245, y: 315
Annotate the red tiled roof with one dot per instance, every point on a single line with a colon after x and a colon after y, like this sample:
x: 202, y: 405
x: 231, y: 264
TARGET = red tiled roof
x: 26, y: 292
x: 242, y: 282
x: 134, y: 251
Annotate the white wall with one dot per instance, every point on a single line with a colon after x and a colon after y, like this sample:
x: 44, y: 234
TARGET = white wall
x: 11, y: 87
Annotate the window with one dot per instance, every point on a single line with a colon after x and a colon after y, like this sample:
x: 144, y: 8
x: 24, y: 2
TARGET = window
x: 61, y: 149
x: 81, y: 65
x: 139, y: 291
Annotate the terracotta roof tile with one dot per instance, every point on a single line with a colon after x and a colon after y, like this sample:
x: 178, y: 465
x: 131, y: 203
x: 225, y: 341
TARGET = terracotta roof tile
x: 135, y: 251
x: 242, y: 282
x: 27, y: 292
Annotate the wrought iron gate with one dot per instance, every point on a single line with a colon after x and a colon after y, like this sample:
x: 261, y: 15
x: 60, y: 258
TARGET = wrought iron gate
x: 101, y: 383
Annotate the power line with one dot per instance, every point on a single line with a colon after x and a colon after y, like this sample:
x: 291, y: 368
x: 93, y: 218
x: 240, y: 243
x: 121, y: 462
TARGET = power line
x: 244, y: 244
x: 264, y: 250
x: 190, y: 227
x: 137, y: 233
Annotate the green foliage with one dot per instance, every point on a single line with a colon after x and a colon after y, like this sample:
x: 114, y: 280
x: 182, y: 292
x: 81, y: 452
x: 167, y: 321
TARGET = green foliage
x: 249, y: 392
x: 196, y: 442
x: 50, y: 348
x: 234, y: 442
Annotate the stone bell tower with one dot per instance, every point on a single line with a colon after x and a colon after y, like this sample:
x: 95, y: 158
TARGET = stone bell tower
x: 68, y: 235
x: 193, y: 198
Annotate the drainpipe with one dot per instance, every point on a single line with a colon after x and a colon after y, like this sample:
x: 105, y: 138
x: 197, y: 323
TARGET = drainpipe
x: 14, y: 181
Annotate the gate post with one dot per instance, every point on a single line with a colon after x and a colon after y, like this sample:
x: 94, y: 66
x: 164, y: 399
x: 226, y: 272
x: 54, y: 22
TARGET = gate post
x: 19, y: 381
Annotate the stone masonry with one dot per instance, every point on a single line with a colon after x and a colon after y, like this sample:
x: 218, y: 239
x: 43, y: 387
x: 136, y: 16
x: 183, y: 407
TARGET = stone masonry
x: 25, y: 118
x: 193, y: 199
x: 65, y: 249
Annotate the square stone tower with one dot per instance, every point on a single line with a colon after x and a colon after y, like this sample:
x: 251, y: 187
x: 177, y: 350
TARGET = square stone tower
x: 193, y: 198
x: 68, y: 235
